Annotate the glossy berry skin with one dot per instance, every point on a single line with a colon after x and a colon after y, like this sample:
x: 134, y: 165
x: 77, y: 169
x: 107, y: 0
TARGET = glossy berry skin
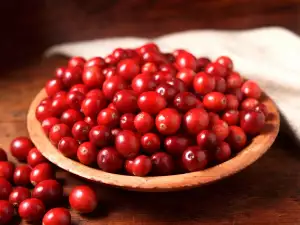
x: 251, y: 89
x: 177, y: 84
x: 82, y: 88
x: 22, y: 175
x: 184, y: 101
x: 196, y: 120
x: 127, y: 144
x: 204, y: 83
x: 175, y: 145
x: 168, y: 68
x: 162, y: 77
x: 18, y: 195
x: 127, y: 121
x: 215, y: 69
x: 141, y: 166
x: 43, y: 171
x: 187, y: 76
x: 162, y: 164
x: 150, y: 143
x: 249, y: 104
x: 100, y: 136
x: 95, y: 93
x: 68, y: 147
x: 74, y: 99
x: 112, y: 85
x: 87, y: 153
x: 226, y: 62
x: 90, y: 121
x: 44, y: 110
x: 128, y: 166
x: 168, y: 121
x: 119, y: 54
x: 155, y: 57
x: 31, y: 210
x: 108, y: 117
x: 234, y: 80
x: 237, y: 138
x: 262, y: 108
x: 149, y: 68
x: 35, y: 157
x: 223, y: 152
x: 207, y: 140
x: 93, y: 77
x: 110, y: 60
x: 128, y: 69
x: 76, y: 61
x: 232, y: 102
x: 220, y: 84
x: 50, y: 192
x: 143, y: 122
x: 237, y: 92
x: 48, y: 123
x: 111, y: 106
x: 58, y: 106
x: 91, y: 106
x: 20, y: 147
x: 53, y: 86
x: 70, y: 116
x: 72, y: 76
x: 80, y: 131
x: 148, y: 47
x: 6, y: 212
x: 57, y: 132
x: 59, y: 72
x: 7, y: 170
x: 5, y: 189
x: 95, y: 61
x: 142, y: 83
x: 186, y: 60
x: 3, y: 155
x: 57, y: 216
x: 221, y: 129
x: 231, y: 117
x: 252, y: 122
x: 167, y: 91
x: 109, y: 160
x: 202, y: 62
x: 83, y: 199
x: 215, y: 101
x: 194, y: 159
x: 125, y: 101
x: 151, y: 102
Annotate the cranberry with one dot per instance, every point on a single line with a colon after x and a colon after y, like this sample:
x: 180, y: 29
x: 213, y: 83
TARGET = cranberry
x: 108, y: 117
x: 216, y: 69
x: 82, y: 88
x: 142, y: 83
x: 95, y: 61
x: 97, y: 93
x: 7, y: 170
x: 161, y: 77
x: 149, y: 68
x: 125, y: 101
x: 22, y: 175
x: 43, y: 171
x: 237, y: 92
x: 68, y: 147
x: 76, y: 62
x: 215, y: 101
x: 20, y: 147
x: 149, y: 47
x: 90, y: 121
x: 53, y: 86
x: 168, y: 121
x: 3, y: 156
x: 232, y: 102
x: 109, y: 72
x: 234, y: 80
x: 58, y: 106
x: 150, y: 143
x: 175, y: 145
x: 112, y: 85
x: 202, y: 62
x: 80, y: 131
x: 251, y: 89
x: 59, y: 72
x: 162, y: 164
x: 83, y: 199
x: 87, y: 153
x: 5, y: 189
x: 226, y: 62
x: 128, y: 166
x: 143, y: 122
x: 141, y: 166
x: 48, y: 123
x: 111, y: 106
x: 186, y: 60
x: 237, y: 138
x: 70, y: 117
x: 31, y: 209
x: 50, y: 192
x: 127, y: 144
x: 223, y: 152
x: 166, y: 91
x: 151, y: 102
x: 110, y: 60
x: 185, y: 101
x: 170, y: 57
x: 100, y: 136
x: 119, y: 54
x: 196, y: 120
x: 231, y: 117
x: 93, y: 77
x: 207, y: 140
x: 252, y: 122
x: 221, y: 129
x: 91, y: 106
x: 177, y: 84
x: 109, y: 160
x: 260, y: 108
x: 74, y: 99
x: 115, y: 132
x: 204, y: 83
x: 249, y: 104
x: 220, y: 84
x: 128, y: 69
x: 18, y: 195
x: 6, y: 212
x: 35, y: 157
x: 127, y: 121
x: 61, y: 94
x: 72, y: 76
x: 194, y: 159
x: 199, y: 104
x: 213, y: 117
x: 57, y: 216
x: 154, y: 57
x: 57, y: 132
x: 187, y: 76
x: 44, y: 111
x: 168, y: 68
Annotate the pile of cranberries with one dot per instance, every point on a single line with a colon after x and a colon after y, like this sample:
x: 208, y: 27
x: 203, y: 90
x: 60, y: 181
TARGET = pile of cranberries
x: 32, y: 192
x: 144, y: 112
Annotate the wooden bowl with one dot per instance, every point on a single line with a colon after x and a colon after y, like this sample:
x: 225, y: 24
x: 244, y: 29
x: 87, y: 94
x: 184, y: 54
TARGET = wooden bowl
x: 247, y: 156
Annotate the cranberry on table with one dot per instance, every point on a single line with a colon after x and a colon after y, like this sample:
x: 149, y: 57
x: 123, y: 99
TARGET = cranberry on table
x: 90, y: 121
x: 128, y: 69
x: 151, y: 102
x: 72, y: 76
x: 194, y: 159
x: 83, y: 199
x: 215, y: 101
x: 231, y: 117
x: 175, y: 145
x: 48, y: 123
x: 232, y: 102
x: 221, y: 129
x: 220, y: 84
x: 5, y: 189
x: 142, y: 83
x: 43, y: 171
x: 262, y: 108
x: 93, y: 77
x: 57, y: 216
x: 204, y: 83
x: 127, y: 144
x: 215, y: 69
x: 3, y: 155
x: 82, y: 88
x: 202, y: 62
x: 143, y: 122
x: 141, y: 166
x: 187, y: 76
x: 150, y: 143
x: 149, y: 68
x: 162, y: 164
x: 226, y: 62
x: 223, y: 152
x: 59, y: 72
x: 91, y: 106
x: 35, y: 157
x: 22, y: 175
x: 74, y: 99
x: 53, y: 86
x: 109, y: 160
x: 112, y: 85
x: 70, y: 116
x: 196, y: 120
x: 234, y: 80
x: 166, y: 91
x: 18, y: 195
x: 108, y: 117
x: 252, y: 122
x: 20, y: 147
x: 186, y: 60
x: 31, y: 210
x: 237, y: 138
x: 184, y: 101
x: 87, y: 153
x: 207, y: 140
x: 68, y: 147
x: 7, y: 170
x: 57, y: 132
x: 127, y: 121
x: 251, y: 89
x: 249, y: 104
x: 100, y: 136
x: 76, y: 61
x: 168, y: 121
x: 6, y: 212
x: 80, y: 131
x: 125, y: 101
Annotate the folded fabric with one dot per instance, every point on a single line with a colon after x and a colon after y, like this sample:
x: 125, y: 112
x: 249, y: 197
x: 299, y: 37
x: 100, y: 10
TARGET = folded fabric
x: 268, y: 55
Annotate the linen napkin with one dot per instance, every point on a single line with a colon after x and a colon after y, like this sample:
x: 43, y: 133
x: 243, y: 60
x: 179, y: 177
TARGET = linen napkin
x: 268, y: 55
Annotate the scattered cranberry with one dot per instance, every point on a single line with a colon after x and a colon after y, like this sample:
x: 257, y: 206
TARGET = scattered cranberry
x: 175, y: 145
x: 215, y: 101
x: 57, y: 132
x: 142, y: 83
x: 87, y: 153
x: 53, y: 86
x: 194, y: 159
x: 35, y: 157
x: 237, y: 138
x: 141, y: 166
x: 260, y: 108
x: 48, y: 123
x: 196, y: 120
x: 83, y: 199
x: 3, y: 156
x: 80, y: 131
x: 72, y: 76
x: 166, y: 91
x: 168, y: 121
x: 162, y: 164
x: 74, y: 99
x: 143, y: 122
x: 234, y: 80
x: 22, y: 175
x: 7, y: 170
x: 150, y: 143
x: 31, y: 209
x: 68, y: 147
x: 112, y: 85
x: 204, y: 83
x: 223, y: 152
x: 109, y: 160
x: 207, y: 140
x: 252, y: 122
x: 91, y: 106
x: 251, y: 89
x: 249, y: 104
x: 5, y: 189
x: 20, y: 147
x: 100, y: 136
x: 232, y: 102
x: 18, y: 195
x: 231, y: 117
x: 6, y: 212
x: 125, y: 101
x: 57, y: 216
x: 215, y: 69
x: 93, y: 77
x: 43, y: 171
x: 127, y: 144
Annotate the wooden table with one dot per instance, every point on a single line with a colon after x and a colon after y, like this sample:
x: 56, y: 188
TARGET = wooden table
x: 268, y: 192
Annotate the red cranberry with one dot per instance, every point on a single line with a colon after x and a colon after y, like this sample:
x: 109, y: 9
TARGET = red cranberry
x: 82, y: 88
x: 72, y: 76
x: 237, y: 92
x: 71, y: 116
x: 93, y: 77
x: 6, y: 212
x: 166, y: 91
x: 150, y: 143
x: 83, y: 199
x: 154, y: 57
x: 76, y: 62
x: 128, y: 166
x: 18, y: 195
x: 35, y: 157
x: 252, y: 122
x: 226, y: 62
x: 204, y: 83
x: 5, y: 189
x: 221, y: 129
x: 91, y: 106
x: 162, y: 164
x: 87, y: 153
x: 187, y: 76
x: 97, y: 93
x: 161, y: 77
x: 110, y: 60
x: 128, y: 69
x: 57, y: 132
x: 234, y: 80
x: 115, y: 132
x: 202, y: 62
x: 7, y: 170
x: 59, y: 72
x: 220, y: 84
x: 61, y: 94
x: 108, y: 117
x: 109, y: 72
x: 143, y: 122
x: 43, y: 171
x: 151, y: 102
x: 168, y: 121
x: 22, y: 175
x: 43, y: 111
x: 109, y: 160
x: 237, y: 138
x: 3, y: 156
x: 175, y: 145
x: 231, y: 117
x: 74, y: 99
x: 184, y: 101
x: 142, y: 83
x: 186, y: 60
x: 53, y: 86
x: 125, y: 101
x: 127, y: 121
x: 207, y: 140
x: 168, y: 68
x: 215, y: 101
x: 80, y: 131
x: 232, y: 102
x: 100, y: 136
x: 68, y: 147
x: 196, y: 120
x: 57, y: 216
x: 249, y: 104
x: 111, y: 106
x: 119, y: 54
x: 260, y: 108
x: 112, y: 85
x: 149, y: 47
x: 127, y: 144
x: 170, y: 57
x: 223, y: 152
x: 20, y: 147
x: 95, y: 61
x: 213, y: 117
x: 199, y: 104
x: 251, y: 89
x: 90, y: 121
x: 149, y: 68
x: 177, y: 84
x: 194, y: 159
x: 48, y: 123
x: 216, y: 69
x: 58, y: 106
x: 31, y: 209
x: 141, y: 166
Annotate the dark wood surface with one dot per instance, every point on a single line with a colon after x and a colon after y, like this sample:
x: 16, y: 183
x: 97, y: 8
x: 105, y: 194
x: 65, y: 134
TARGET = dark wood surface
x: 265, y: 193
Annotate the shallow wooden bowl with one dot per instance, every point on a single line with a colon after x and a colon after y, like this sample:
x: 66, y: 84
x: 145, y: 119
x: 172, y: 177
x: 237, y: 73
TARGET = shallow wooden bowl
x: 247, y: 156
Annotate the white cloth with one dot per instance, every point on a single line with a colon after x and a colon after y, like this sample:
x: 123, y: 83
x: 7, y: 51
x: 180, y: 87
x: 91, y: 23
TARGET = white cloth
x: 271, y: 56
